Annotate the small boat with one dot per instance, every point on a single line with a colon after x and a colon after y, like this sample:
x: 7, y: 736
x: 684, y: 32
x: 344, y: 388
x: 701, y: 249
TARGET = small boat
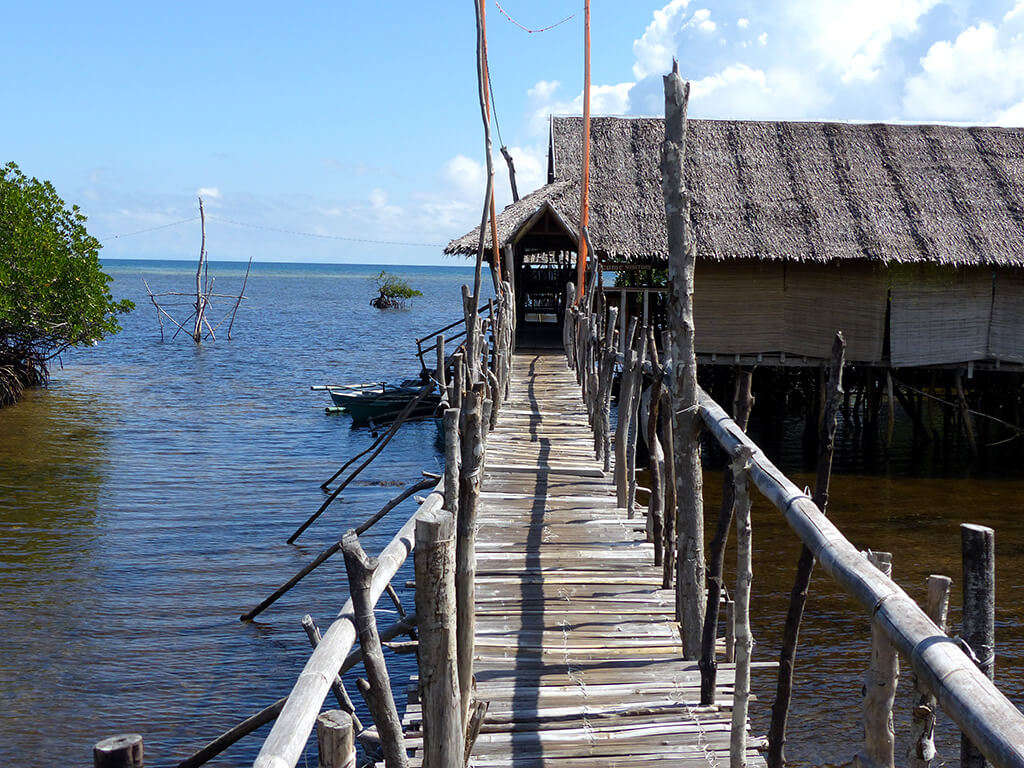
x: 381, y: 402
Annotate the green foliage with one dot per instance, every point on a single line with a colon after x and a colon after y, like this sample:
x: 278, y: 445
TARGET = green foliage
x: 635, y: 278
x: 53, y: 294
x: 392, y: 291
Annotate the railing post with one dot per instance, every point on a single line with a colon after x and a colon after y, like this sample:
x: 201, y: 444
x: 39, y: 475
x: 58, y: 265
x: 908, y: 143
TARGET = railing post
x: 633, y: 426
x: 656, y: 505
x: 741, y: 621
x: 465, y: 546
x: 977, y: 544
x: 622, y: 423
x: 922, y: 726
x: 441, y: 373
x: 122, y: 751
x: 568, y: 332
x: 335, y: 739
x: 440, y: 699
x: 681, y: 260
x: 879, y: 689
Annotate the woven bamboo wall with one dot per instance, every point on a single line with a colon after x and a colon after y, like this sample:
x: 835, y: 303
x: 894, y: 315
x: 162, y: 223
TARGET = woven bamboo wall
x: 1006, y: 339
x: 766, y: 308
x: 939, y: 315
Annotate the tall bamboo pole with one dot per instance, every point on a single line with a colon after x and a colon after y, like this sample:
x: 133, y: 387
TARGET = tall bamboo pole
x: 581, y: 262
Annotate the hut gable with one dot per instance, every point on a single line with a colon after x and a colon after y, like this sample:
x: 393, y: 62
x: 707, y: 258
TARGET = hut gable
x: 788, y: 191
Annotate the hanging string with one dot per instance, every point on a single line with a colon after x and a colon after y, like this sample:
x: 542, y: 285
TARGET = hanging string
x: 148, y: 229
x: 533, y: 31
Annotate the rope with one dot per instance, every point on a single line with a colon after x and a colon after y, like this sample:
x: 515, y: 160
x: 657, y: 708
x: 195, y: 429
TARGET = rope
x: 533, y: 31
x: 148, y: 229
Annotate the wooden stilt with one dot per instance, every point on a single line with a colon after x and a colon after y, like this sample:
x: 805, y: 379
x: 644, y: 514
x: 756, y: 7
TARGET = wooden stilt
x: 335, y: 739
x: 977, y: 544
x: 879, y: 690
x: 922, y: 726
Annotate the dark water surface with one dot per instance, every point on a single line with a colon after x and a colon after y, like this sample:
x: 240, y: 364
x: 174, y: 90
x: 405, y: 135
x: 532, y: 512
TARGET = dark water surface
x: 145, y: 498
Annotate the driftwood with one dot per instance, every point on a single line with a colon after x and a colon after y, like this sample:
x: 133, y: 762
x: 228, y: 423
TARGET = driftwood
x: 977, y: 544
x: 922, y: 726
x: 689, y: 501
x: 465, y: 545
x: 742, y: 404
x: 382, y: 704
x: 439, y: 695
x: 334, y: 738
x: 879, y: 690
x: 776, y: 757
x: 123, y: 751
x: 741, y: 621
x: 334, y: 549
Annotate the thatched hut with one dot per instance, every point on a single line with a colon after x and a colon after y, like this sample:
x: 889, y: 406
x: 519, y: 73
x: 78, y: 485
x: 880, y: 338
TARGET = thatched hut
x: 910, y: 238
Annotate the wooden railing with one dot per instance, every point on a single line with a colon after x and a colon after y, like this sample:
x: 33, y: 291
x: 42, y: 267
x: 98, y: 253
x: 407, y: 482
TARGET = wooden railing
x: 439, y: 335
x: 947, y: 671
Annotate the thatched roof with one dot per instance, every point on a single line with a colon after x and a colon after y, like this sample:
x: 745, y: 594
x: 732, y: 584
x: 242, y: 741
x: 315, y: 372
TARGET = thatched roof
x: 809, y: 192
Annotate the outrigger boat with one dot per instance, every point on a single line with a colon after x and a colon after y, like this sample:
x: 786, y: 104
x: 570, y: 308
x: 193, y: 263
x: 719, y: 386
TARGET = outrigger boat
x: 380, y: 402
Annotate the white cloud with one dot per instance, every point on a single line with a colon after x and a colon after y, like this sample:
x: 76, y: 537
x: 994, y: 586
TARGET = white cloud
x: 763, y: 38
x: 852, y: 38
x: 211, y: 193
x: 655, y: 48
x: 742, y: 23
x: 543, y: 90
x: 741, y: 91
x: 702, y: 18
x: 977, y: 77
x: 604, y: 100
x: 466, y: 175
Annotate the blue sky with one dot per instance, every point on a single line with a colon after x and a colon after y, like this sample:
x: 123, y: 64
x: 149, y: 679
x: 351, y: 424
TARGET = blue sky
x: 353, y: 119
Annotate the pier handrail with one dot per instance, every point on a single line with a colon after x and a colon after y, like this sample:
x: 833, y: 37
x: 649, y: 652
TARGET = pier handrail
x: 421, y: 351
x: 287, y: 739
x: 966, y: 695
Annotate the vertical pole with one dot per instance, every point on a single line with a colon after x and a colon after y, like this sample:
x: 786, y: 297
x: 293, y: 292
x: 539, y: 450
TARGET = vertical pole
x: 581, y: 261
x: 335, y: 739
x: 434, y: 560
x: 656, y: 506
x: 337, y: 687
x: 682, y: 255
x: 879, y: 690
x: 605, y: 395
x: 123, y: 751
x: 381, y: 702
x: 742, y: 403
x: 633, y: 427
x: 197, y: 331
x: 978, y: 547
x: 622, y: 424
x: 668, y: 446
x: 922, y: 726
x: 465, y: 546
x: 622, y: 321
x: 741, y: 620
x: 441, y: 374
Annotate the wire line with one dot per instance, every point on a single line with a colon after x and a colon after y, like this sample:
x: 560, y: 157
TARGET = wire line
x: 148, y: 229
x: 532, y: 31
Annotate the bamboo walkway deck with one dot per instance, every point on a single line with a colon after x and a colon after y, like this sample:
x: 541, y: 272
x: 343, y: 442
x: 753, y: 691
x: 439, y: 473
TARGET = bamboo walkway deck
x: 577, y: 650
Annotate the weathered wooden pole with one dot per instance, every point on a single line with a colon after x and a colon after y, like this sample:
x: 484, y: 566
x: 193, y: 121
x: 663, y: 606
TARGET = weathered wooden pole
x: 450, y: 426
x: 922, y: 724
x: 335, y: 739
x: 441, y: 373
x: 633, y: 427
x: 440, y: 698
x: 689, y: 484
x: 805, y: 565
x: 741, y: 621
x: 568, y: 328
x: 666, y: 428
x: 465, y: 544
x: 978, y: 547
x: 458, y: 384
x: 197, y: 331
x: 338, y: 686
x: 381, y: 703
x: 742, y: 404
x: 879, y: 690
x: 622, y: 423
x: 122, y: 751
x: 656, y: 505
x: 606, y: 372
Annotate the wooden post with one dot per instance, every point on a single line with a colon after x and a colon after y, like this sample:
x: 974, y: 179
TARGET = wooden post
x: 977, y: 544
x: 879, y: 690
x: 681, y: 259
x: 337, y: 687
x: 633, y: 430
x: 668, y: 446
x: 440, y: 699
x: 441, y: 373
x: 122, y: 751
x: 922, y: 726
x: 656, y: 505
x: 465, y: 546
x: 335, y: 739
x: 805, y: 565
x: 623, y: 346
x: 450, y: 425
x: 742, y: 404
x: 568, y: 329
x: 476, y: 722
x: 381, y: 703
x: 458, y: 381
x: 622, y: 424
x: 741, y: 620
x: 730, y: 631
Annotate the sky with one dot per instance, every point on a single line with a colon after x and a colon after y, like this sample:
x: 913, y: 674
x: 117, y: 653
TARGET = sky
x: 360, y: 120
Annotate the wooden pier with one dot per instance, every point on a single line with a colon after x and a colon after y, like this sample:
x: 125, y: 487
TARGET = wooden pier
x: 577, y: 648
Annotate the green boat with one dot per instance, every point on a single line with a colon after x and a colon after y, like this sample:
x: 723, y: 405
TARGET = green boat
x: 380, y: 403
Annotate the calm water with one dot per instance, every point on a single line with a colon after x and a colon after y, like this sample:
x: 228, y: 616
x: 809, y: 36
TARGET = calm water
x: 145, y: 498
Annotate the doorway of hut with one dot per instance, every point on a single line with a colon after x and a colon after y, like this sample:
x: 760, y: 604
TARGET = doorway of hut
x: 540, y: 281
